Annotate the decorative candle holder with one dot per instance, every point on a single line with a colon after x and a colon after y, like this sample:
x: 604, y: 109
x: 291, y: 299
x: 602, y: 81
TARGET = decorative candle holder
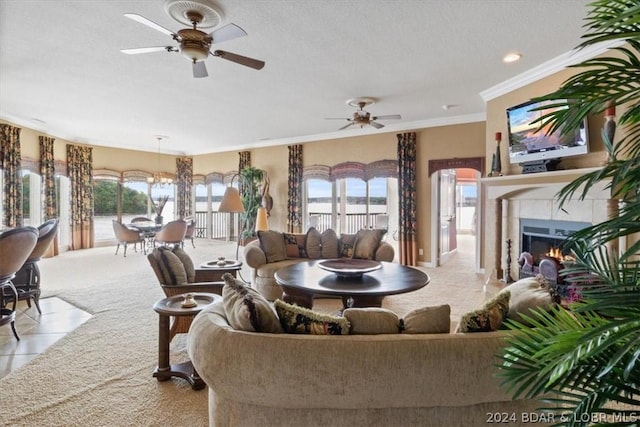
x: 496, y: 163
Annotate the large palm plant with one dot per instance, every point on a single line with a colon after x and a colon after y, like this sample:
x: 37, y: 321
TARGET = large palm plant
x: 587, y: 359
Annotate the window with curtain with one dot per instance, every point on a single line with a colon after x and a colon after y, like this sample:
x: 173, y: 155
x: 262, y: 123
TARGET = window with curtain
x: 31, y: 208
x: 169, y: 210
x: 63, y: 191
x: 105, y: 206
x: 135, y: 200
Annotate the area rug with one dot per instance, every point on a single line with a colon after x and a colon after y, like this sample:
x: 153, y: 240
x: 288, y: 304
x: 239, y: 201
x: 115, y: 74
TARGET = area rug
x: 101, y: 373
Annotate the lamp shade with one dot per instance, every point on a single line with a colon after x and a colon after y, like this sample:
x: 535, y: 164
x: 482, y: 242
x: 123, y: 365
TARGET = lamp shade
x: 262, y: 222
x: 231, y: 201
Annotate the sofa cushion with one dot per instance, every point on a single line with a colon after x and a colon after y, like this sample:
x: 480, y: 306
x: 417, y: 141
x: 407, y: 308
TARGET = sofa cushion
x: 272, y: 244
x: 367, y: 241
x: 186, y: 262
x: 526, y: 295
x: 329, y: 244
x: 372, y: 321
x: 346, y: 245
x: 428, y: 320
x: 294, y: 245
x: 489, y: 317
x: 313, y: 243
x: 246, y: 309
x: 172, y: 269
x: 299, y: 320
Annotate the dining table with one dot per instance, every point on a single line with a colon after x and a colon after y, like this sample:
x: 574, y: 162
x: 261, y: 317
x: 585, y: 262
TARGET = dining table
x: 147, y: 230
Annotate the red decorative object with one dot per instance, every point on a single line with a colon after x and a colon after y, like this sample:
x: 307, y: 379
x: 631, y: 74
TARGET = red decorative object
x: 499, y: 135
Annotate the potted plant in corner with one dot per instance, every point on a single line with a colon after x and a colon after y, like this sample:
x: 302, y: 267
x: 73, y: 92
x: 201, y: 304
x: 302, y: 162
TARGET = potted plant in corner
x: 586, y: 358
x: 250, y: 184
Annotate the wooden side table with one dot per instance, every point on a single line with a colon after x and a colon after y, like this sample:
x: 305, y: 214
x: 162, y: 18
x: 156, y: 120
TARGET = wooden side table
x: 210, y: 271
x: 172, y: 306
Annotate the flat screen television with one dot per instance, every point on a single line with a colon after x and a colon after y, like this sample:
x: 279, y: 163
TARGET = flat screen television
x: 532, y: 146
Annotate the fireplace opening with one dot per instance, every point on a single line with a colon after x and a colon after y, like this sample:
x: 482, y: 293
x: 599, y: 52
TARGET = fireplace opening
x: 542, y: 248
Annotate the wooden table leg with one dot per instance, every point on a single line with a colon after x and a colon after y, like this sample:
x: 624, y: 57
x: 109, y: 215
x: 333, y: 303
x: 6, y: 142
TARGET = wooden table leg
x: 294, y: 296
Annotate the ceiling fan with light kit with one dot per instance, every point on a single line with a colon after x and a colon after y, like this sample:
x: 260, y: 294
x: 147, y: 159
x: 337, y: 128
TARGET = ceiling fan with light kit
x: 193, y: 43
x: 362, y: 117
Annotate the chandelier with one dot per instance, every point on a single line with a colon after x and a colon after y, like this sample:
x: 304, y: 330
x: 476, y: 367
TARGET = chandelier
x: 158, y: 177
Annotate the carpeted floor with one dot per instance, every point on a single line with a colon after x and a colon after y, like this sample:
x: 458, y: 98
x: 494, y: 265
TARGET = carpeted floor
x: 101, y: 373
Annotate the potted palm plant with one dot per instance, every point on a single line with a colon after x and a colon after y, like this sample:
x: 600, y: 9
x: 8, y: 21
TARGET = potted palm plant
x: 583, y: 362
x: 251, y: 195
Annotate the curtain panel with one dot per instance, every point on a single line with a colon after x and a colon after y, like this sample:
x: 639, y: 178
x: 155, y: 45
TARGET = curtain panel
x: 11, y: 158
x: 184, y: 178
x: 80, y: 171
x: 294, y: 203
x: 48, y: 188
x: 244, y: 161
x: 407, y: 198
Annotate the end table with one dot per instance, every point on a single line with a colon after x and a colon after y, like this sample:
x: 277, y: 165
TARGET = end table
x: 211, y: 271
x: 172, y: 306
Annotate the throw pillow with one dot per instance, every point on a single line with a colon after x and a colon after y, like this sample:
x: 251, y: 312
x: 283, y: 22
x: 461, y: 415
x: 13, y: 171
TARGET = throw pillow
x: 428, y: 320
x: 329, y: 244
x: 246, y: 309
x: 171, y: 267
x: 526, y: 295
x: 300, y: 320
x: 372, y: 321
x: 294, y: 245
x: 366, y: 244
x: 272, y: 244
x: 346, y: 245
x: 187, y: 263
x: 313, y: 244
x: 489, y: 317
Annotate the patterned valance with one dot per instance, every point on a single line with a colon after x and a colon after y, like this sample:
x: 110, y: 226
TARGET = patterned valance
x: 107, y: 174
x: 29, y: 164
x: 214, y: 177
x: 377, y: 169
x: 198, y: 179
x: 61, y: 167
x: 228, y: 176
x: 137, y: 175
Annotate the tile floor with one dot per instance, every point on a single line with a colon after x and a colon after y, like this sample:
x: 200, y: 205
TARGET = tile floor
x: 37, y: 331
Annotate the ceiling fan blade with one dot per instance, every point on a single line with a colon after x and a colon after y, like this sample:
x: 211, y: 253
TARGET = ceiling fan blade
x: 228, y: 32
x: 141, y: 19
x: 376, y: 124
x: 137, y: 50
x: 389, y: 117
x: 199, y: 69
x: 346, y: 126
x: 239, y: 59
x: 336, y: 118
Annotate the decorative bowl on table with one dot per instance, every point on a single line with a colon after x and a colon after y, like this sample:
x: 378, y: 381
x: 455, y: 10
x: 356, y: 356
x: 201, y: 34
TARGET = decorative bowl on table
x: 220, y: 263
x: 349, y: 267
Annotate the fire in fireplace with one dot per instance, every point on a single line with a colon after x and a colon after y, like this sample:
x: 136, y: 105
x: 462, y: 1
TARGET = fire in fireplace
x: 541, y: 246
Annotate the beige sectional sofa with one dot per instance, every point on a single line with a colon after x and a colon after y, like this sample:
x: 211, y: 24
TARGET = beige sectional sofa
x: 349, y: 380
x: 274, y: 250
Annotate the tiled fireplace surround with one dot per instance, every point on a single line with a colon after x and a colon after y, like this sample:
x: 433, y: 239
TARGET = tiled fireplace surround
x: 515, y: 197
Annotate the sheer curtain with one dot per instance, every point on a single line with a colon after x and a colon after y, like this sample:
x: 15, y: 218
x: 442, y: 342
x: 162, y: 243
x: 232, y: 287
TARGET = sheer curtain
x: 407, y: 198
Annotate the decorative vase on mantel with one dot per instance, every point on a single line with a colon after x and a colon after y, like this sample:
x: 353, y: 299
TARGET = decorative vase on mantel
x: 158, y: 219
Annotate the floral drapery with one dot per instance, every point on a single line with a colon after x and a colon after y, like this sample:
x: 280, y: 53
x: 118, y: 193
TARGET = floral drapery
x: 11, y: 158
x: 294, y: 203
x: 48, y: 176
x: 80, y: 171
x: 244, y: 161
x: 184, y: 178
x: 407, y: 198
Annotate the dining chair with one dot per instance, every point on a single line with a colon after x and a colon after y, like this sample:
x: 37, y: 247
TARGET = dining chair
x: 125, y: 235
x: 27, y: 280
x: 171, y: 234
x: 15, y: 246
x: 189, y: 234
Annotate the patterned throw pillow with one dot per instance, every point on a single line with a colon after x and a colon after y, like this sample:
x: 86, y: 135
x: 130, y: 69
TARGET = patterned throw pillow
x: 294, y: 245
x: 300, y: 320
x: 366, y: 244
x: 489, y: 317
x: 246, y: 309
x: 428, y: 320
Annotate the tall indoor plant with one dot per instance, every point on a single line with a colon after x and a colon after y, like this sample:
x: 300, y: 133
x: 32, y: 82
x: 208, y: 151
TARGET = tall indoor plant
x: 587, y: 357
x: 250, y: 184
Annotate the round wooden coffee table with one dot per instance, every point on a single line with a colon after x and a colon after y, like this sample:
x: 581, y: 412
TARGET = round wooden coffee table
x: 301, y: 281
x: 172, y: 306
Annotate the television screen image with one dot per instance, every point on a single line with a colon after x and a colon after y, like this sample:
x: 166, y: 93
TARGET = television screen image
x: 530, y: 143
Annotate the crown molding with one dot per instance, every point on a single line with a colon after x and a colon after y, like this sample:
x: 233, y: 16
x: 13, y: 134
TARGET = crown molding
x: 548, y: 68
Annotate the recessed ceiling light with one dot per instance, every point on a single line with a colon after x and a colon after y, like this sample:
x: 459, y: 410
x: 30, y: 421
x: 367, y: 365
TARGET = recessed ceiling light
x: 511, y: 57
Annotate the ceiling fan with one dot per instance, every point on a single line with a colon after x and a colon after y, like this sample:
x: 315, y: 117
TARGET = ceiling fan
x: 194, y: 44
x: 362, y: 117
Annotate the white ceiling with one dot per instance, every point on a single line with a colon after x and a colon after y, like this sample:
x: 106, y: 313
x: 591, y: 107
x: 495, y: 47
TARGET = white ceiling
x: 62, y: 72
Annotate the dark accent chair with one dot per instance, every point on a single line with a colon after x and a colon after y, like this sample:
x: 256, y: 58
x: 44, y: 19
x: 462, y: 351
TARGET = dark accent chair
x: 27, y: 280
x: 15, y: 246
